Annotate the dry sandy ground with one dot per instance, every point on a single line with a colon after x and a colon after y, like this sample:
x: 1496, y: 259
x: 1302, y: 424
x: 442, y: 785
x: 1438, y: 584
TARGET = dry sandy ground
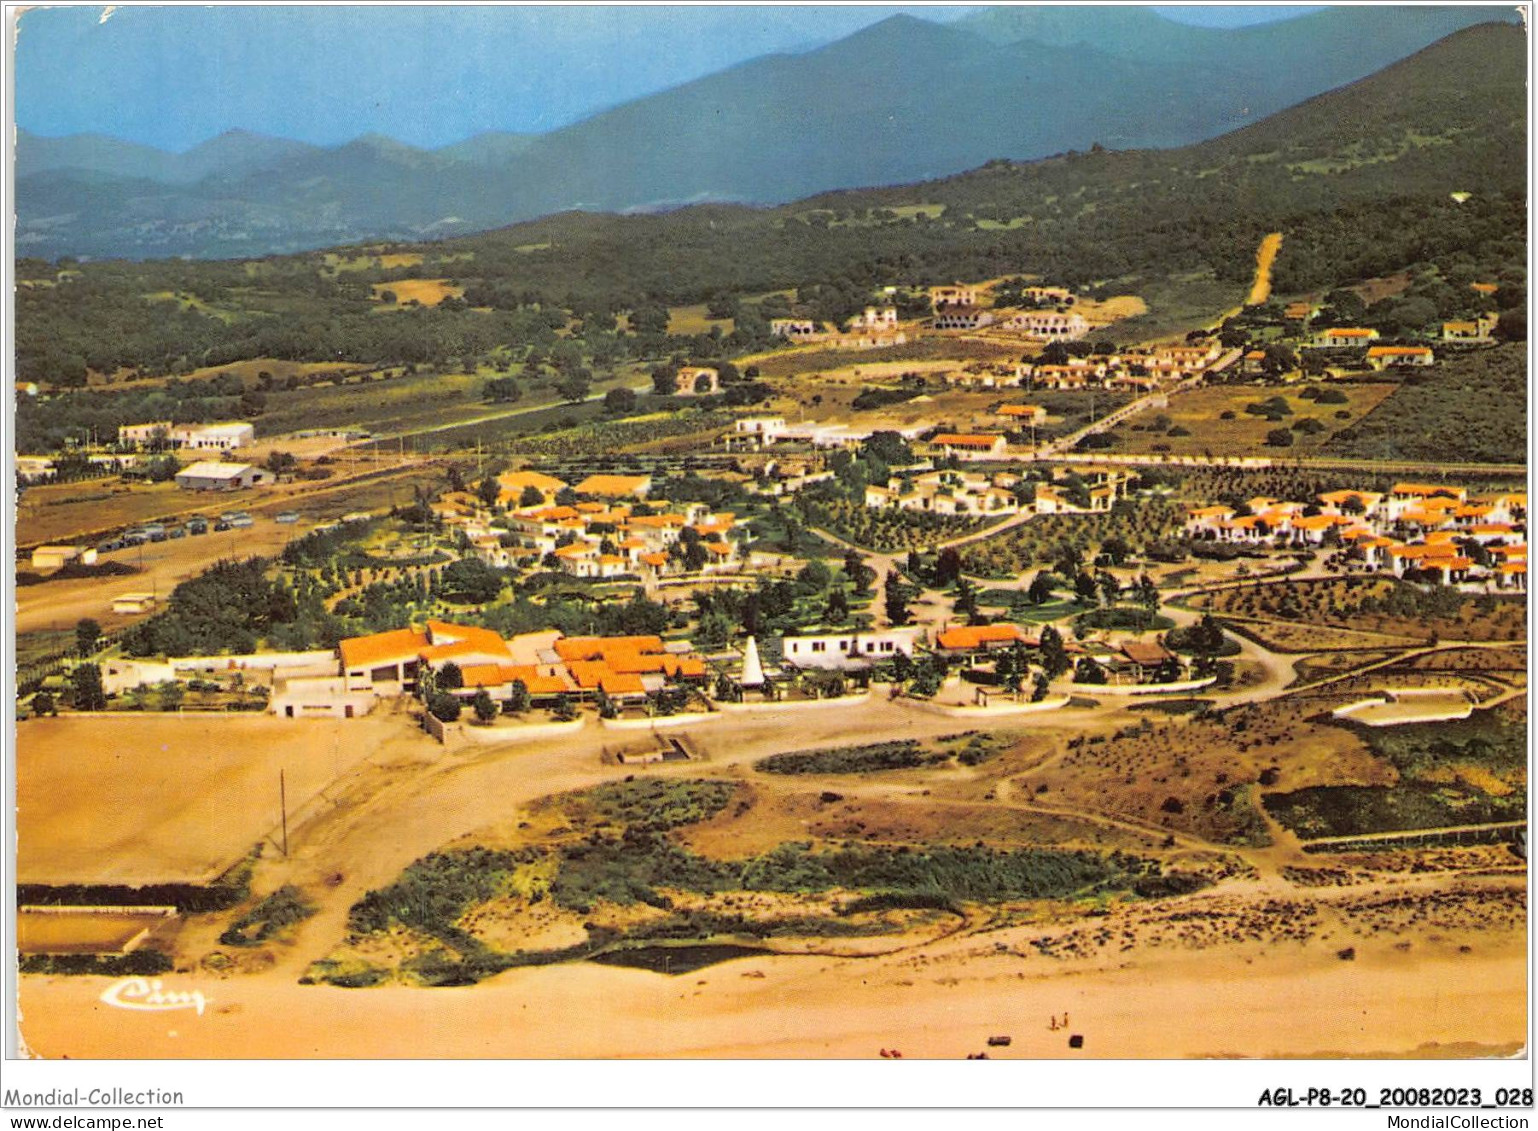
x: 164, y: 565
x: 147, y: 798
x: 1255, y: 997
x: 943, y: 1002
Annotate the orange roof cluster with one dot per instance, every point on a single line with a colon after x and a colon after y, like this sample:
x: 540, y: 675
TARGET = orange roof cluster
x: 498, y: 675
x: 614, y: 486
x: 1427, y: 489
x: 1020, y: 410
x: 613, y: 663
x: 517, y: 481
x: 602, y: 647
x: 964, y: 637
x: 1398, y: 351
x: 1350, y: 332
x: 397, y: 646
x: 966, y: 439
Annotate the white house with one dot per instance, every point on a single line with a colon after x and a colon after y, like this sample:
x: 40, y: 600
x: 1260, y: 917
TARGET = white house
x: 1051, y: 326
x: 844, y: 650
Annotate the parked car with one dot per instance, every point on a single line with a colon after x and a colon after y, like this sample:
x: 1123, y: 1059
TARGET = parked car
x: 221, y: 526
x: 287, y: 517
x: 197, y: 526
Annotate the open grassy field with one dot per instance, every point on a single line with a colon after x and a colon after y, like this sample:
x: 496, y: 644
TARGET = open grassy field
x: 371, y: 404
x: 696, y: 320
x: 1214, y: 421
x: 792, y: 362
x: 169, y: 798
x: 1470, y: 407
x: 60, y: 512
x: 1202, y: 775
x: 427, y: 292
x: 249, y: 370
x: 1176, y: 305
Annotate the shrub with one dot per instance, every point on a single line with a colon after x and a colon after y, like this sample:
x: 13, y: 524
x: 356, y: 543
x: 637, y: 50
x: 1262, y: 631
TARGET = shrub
x: 444, y: 706
x: 897, y: 754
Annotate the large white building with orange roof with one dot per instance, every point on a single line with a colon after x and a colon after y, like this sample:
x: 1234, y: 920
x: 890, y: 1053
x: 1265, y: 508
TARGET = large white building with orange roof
x: 546, y: 663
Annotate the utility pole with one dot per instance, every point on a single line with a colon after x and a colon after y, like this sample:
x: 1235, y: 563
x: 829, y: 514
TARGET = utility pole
x: 283, y: 806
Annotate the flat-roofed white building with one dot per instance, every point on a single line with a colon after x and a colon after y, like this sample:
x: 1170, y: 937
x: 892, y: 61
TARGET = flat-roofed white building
x: 225, y: 436
x: 842, y: 650
x: 318, y: 697
x: 146, y: 433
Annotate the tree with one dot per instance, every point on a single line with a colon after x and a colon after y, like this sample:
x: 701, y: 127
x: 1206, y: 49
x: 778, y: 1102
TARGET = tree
x: 714, y: 629
x: 838, y: 606
x: 281, y: 463
x: 575, y: 386
x: 1040, y: 591
x: 1088, y: 672
x: 531, y: 497
x: 1084, y: 587
x: 1279, y: 438
x: 86, y: 689
x: 489, y: 491
x: 1039, y: 687
x: 443, y: 706
x: 450, y: 676
x: 947, y: 568
x: 815, y: 575
x: 966, y: 599
x: 1148, y: 594
x: 501, y: 390
x: 1010, y: 666
x: 1054, y: 656
x: 888, y: 447
x: 896, y: 600
x: 1117, y: 549
x: 728, y: 690
x: 484, y: 706
x: 162, y: 469
x: 518, y: 696
x: 665, y: 380
x: 469, y: 581
x: 1110, y: 588
x: 928, y: 678
x: 171, y: 695
x: 859, y: 574
x: 619, y: 401
x: 87, y: 636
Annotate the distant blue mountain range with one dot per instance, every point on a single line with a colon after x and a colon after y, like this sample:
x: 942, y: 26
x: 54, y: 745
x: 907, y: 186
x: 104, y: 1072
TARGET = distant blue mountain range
x: 903, y: 100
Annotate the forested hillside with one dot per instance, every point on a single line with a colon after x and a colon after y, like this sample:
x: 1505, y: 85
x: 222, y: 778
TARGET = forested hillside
x: 1361, y: 182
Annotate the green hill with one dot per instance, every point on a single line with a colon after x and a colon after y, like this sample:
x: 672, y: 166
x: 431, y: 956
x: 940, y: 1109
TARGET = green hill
x: 900, y: 101
x: 1360, y: 181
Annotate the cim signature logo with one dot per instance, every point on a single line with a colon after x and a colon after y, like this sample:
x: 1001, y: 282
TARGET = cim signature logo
x: 149, y: 995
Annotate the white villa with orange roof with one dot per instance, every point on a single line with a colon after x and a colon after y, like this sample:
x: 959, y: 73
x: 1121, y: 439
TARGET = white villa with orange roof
x: 1339, y: 337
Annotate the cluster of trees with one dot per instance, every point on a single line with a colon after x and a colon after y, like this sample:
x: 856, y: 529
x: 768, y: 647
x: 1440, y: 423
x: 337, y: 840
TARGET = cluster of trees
x: 233, y: 607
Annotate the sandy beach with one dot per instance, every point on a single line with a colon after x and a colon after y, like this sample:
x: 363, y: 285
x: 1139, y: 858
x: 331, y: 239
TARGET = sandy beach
x: 940, y: 1002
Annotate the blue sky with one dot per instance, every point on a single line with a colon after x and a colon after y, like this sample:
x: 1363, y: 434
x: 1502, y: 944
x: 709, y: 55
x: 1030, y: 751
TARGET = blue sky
x: 173, y: 77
